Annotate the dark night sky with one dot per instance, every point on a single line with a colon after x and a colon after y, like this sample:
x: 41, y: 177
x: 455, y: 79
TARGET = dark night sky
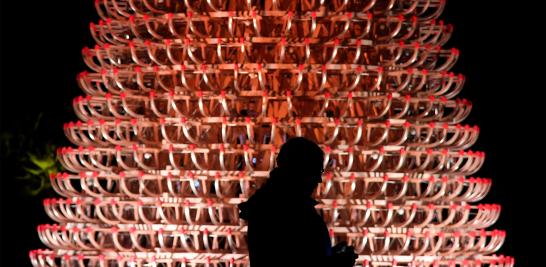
x: 502, y: 54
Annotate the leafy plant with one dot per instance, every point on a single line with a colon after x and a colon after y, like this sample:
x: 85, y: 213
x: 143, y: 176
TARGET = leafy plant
x: 29, y: 154
x: 38, y: 171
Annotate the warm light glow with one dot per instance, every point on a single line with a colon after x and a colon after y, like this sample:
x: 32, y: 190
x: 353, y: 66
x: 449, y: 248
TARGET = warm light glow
x: 187, y: 103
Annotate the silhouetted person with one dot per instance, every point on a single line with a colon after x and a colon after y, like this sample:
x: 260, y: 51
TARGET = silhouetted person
x: 284, y: 229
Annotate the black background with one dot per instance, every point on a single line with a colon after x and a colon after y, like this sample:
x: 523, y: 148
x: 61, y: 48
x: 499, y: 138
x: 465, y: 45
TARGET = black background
x: 502, y: 54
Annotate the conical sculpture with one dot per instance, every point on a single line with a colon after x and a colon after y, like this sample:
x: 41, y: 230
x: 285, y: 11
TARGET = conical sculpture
x: 188, y: 102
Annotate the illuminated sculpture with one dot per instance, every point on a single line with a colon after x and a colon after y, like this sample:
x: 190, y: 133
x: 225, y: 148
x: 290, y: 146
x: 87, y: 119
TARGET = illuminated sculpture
x: 188, y: 102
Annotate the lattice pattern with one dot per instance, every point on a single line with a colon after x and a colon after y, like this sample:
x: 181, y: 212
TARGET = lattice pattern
x: 187, y: 103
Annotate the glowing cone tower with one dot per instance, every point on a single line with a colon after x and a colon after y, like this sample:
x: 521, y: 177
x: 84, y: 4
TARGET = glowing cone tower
x: 188, y: 102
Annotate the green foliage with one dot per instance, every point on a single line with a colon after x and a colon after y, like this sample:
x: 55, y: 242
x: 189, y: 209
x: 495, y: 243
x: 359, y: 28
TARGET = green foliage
x: 29, y: 156
x: 37, y: 171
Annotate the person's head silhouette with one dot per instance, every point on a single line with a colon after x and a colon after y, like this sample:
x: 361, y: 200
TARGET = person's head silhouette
x: 301, y: 161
